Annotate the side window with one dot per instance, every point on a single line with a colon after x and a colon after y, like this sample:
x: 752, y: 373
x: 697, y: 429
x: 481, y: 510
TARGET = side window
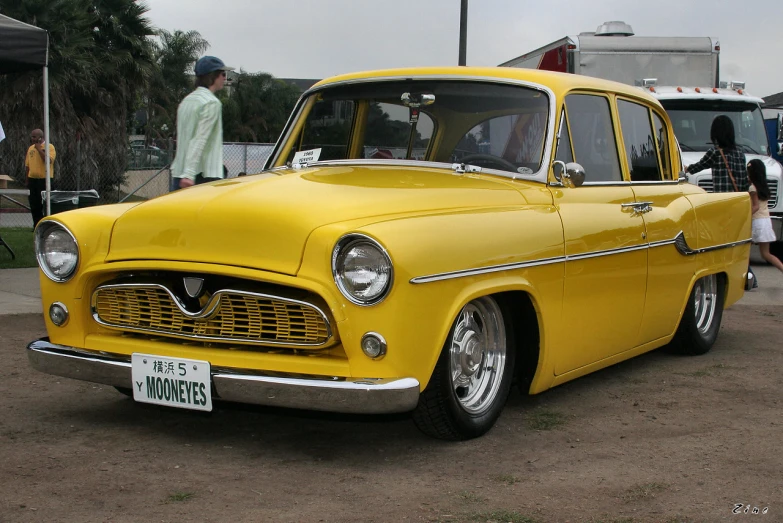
x: 564, y: 153
x: 592, y: 136
x: 661, y: 135
x: 641, y: 149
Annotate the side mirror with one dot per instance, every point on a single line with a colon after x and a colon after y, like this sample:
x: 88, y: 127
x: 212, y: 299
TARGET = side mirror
x: 569, y: 174
x: 780, y: 127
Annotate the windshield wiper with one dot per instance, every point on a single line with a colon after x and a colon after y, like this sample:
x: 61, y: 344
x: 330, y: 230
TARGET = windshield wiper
x: 686, y: 146
x: 749, y: 149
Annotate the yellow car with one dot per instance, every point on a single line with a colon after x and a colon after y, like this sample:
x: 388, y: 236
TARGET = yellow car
x: 419, y: 240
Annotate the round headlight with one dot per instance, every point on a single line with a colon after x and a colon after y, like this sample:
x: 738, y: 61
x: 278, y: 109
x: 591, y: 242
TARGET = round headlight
x: 56, y: 250
x: 362, y: 269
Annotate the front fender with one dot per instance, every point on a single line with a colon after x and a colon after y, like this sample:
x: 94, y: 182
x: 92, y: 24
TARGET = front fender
x: 415, y: 317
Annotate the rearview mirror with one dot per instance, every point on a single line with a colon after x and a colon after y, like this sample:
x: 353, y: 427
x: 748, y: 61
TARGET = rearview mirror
x: 569, y: 174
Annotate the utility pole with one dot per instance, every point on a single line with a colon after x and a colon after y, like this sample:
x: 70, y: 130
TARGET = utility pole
x: 463, y: 31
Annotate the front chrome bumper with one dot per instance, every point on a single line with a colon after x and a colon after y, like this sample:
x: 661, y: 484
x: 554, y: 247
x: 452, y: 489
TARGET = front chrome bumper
x: 346, y: 395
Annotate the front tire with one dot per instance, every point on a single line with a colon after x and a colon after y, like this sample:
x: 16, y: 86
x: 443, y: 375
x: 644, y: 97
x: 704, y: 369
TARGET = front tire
x: 471, y: 381
x: 700, y: 322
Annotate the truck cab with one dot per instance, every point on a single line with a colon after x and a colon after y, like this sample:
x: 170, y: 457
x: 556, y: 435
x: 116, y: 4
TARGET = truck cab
x: 692, y: 110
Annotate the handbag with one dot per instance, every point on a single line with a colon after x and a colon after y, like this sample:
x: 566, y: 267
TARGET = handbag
x: 725, y: 161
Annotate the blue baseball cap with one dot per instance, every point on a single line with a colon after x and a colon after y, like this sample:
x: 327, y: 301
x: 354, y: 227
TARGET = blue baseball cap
x: 208, y: 64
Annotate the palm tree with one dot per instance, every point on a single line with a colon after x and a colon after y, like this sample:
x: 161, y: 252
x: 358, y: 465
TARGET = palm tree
x: 175, y: 54
x: 99, y: 59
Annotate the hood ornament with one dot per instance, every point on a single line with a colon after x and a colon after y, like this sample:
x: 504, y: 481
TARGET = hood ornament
x: 193, y: 286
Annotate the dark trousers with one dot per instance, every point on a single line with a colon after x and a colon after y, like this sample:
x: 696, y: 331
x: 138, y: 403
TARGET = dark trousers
x: 36, y: 186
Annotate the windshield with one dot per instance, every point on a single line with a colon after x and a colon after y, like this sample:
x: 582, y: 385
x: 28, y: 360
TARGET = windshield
x: 490, y: 125
x: 692, y: 120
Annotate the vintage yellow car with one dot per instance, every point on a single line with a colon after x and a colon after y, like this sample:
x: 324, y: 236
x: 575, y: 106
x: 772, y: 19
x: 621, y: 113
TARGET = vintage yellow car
x: 419, y: 240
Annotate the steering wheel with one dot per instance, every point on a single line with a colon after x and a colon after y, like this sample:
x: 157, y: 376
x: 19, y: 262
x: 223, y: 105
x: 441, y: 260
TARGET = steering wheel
x: 504, y: 164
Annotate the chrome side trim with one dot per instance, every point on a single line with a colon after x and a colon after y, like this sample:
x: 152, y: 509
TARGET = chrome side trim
x: 607, y: 252
x: 209, y: 310
x: 655, y: 182
x: 679, y: 242
x: 682, y: 246
x: 311, y: 392
x: 486, y: 270
x: 614, y: 183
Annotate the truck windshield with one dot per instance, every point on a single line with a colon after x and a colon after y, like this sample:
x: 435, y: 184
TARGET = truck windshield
x: 692, y: 120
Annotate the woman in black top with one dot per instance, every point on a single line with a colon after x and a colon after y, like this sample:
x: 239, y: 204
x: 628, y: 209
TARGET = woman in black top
x: 722, y: 136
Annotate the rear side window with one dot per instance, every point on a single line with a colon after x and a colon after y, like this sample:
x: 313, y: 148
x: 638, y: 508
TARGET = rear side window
x: 641, y: 142
x: 592, y: 137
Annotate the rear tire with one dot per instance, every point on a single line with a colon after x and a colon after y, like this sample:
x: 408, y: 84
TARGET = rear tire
x: 472, y: 379
x: 700, y: 322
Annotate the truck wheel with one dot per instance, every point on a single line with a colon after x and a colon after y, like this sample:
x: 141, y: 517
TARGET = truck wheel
x: 471, y: 381
x: 700, y: 322
x: 776, y: 248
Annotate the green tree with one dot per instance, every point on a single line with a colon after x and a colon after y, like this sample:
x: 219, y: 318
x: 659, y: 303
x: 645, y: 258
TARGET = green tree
x: 175, y: 55
x: 100, y: 58
x: 256, y: 107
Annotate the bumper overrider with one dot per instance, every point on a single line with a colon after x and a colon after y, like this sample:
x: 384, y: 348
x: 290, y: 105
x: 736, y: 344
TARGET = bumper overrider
x: 344, y: 395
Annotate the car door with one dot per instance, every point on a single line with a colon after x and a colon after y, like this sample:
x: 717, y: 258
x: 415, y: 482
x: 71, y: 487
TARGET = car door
x: 665, y: 211
x: 605, y: 247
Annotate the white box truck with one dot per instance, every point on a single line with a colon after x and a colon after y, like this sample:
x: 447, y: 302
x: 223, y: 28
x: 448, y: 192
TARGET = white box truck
x: 684, y: 74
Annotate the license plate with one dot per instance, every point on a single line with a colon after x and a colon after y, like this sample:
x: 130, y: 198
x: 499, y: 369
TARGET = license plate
x: 174, y: 382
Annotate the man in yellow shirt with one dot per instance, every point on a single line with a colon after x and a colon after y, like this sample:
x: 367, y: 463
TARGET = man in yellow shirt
x: 35, y: 170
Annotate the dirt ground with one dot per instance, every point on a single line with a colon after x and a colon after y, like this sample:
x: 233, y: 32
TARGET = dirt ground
x: 655, y: 439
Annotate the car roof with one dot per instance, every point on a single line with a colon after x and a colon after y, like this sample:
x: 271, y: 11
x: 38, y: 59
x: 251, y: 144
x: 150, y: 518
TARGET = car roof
x: 559, y: 83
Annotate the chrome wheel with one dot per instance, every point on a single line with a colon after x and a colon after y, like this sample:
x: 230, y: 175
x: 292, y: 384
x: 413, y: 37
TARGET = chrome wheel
x: 478, y: 355
x: 705, y: 302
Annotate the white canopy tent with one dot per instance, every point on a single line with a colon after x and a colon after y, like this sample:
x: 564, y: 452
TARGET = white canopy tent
x: 24, y: 47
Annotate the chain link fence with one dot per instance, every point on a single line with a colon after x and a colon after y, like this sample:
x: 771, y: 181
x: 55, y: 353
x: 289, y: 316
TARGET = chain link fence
x: 143, y: 173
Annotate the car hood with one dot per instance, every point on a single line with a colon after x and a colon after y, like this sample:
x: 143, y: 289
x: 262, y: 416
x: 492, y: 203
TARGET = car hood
x: 263, y: 221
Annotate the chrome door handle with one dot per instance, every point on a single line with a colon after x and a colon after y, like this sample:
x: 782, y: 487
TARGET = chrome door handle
x: 638, y: 207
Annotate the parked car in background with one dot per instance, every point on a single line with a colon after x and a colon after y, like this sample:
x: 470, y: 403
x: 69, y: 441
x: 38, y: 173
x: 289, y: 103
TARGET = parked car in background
x: 523, y: 227
x: 146, y: 156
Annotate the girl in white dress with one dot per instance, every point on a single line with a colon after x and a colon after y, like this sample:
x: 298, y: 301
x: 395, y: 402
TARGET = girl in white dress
x: 763, y: 234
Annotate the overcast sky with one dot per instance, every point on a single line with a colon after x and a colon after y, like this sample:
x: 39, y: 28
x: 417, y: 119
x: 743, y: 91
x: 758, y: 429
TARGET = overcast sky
x: 321, y: 38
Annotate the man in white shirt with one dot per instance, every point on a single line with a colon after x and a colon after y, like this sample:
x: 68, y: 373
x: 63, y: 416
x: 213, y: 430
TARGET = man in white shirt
x: 199, y: 155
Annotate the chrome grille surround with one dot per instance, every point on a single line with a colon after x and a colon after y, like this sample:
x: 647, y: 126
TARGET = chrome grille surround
x: 228, y: 316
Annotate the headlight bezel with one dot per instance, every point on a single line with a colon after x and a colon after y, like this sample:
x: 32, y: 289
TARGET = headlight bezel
x: 342, y: 246
x: 41, y: 232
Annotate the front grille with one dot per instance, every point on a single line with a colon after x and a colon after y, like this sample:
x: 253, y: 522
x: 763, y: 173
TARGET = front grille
x: 228, y: 316
x: 773, y: 190
x: 773, y: 193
